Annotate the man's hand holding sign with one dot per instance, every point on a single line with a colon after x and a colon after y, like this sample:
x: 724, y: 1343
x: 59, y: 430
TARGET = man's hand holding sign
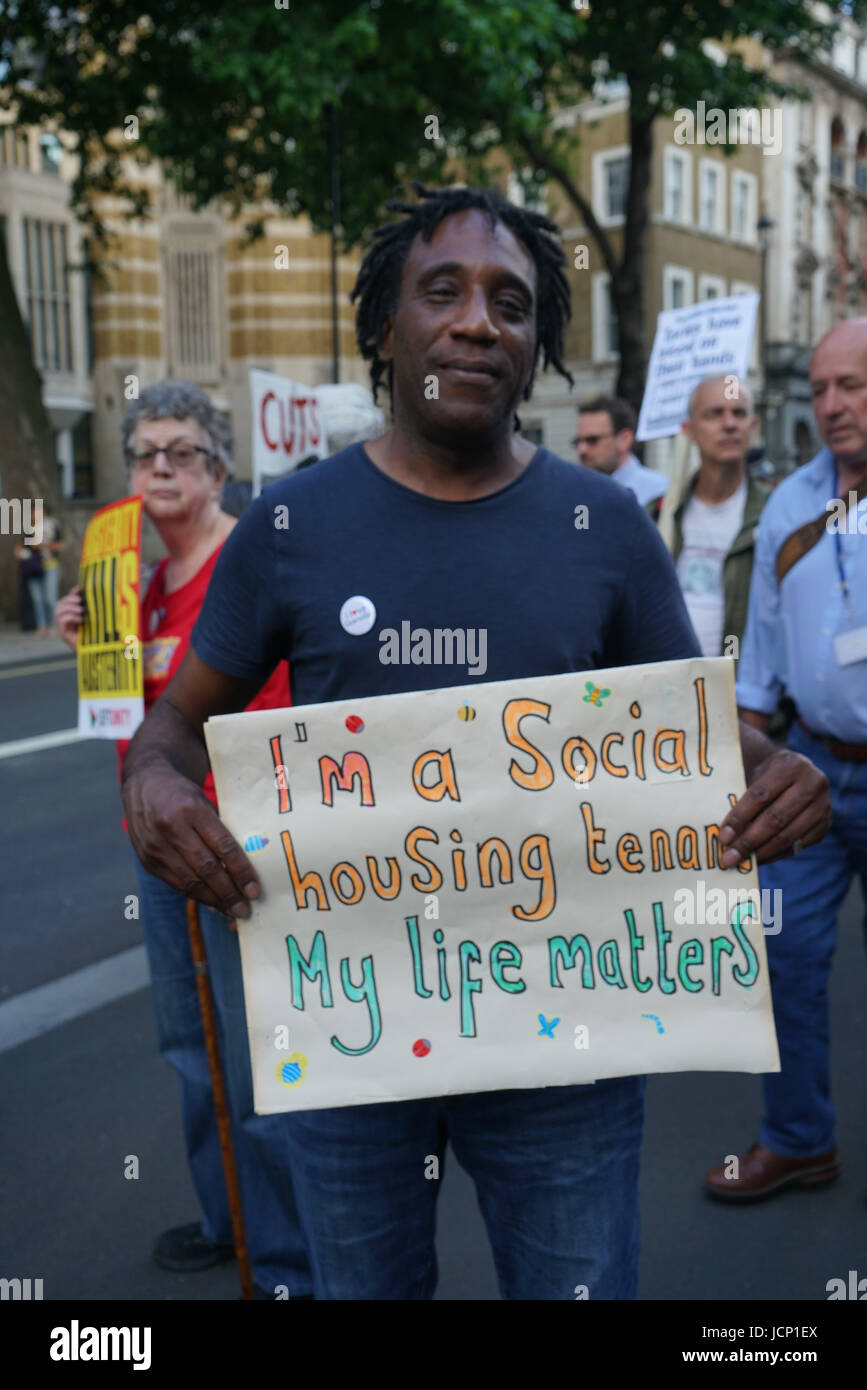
x: 786, y: 805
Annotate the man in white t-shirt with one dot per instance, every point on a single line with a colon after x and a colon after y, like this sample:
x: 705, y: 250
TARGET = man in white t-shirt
x: 716, y: 520
x: 606, y: 434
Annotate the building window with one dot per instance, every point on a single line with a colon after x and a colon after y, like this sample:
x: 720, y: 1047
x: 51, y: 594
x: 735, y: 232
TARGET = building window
x: 87, y: 279
x: 740, y: 198
x: 50, y: 153
x: 743, y: 287
x: 193, y: 301
x: 606, y: 335
x: 675, y: 190
x: 744, y: 199
x: 853, y: 245
x: 616, y: 178
x: 843, y: 54
x: 711, y: 287
x: 610, y: 185
x: 678, y: 187
x: 677, y: 287
x: 838, y: 156
x: 711, y: 212
x: 82, y: 457
x: 46, y: 289
x: 534, y: 200
x: 861, y: 163
x: 534, y: 431
x: 14, y: 148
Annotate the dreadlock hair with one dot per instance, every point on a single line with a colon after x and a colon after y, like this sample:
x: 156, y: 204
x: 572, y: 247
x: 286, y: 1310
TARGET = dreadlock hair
x: 377, y: 287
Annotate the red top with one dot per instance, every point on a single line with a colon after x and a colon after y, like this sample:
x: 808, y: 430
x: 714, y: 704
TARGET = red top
x: 167, y: 624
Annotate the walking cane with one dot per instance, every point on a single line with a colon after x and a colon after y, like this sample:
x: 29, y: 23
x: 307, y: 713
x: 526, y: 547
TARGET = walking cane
x: 230, y: 1170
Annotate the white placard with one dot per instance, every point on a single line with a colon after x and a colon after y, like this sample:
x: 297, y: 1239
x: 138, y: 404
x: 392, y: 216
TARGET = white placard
x: 712, y: 338
x: 509, y: 885
x: 287, y: 426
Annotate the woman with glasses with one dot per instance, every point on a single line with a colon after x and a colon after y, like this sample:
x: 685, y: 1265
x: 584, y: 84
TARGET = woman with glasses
x: 178, y: 450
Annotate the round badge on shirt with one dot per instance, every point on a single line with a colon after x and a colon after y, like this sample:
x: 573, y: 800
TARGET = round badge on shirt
x: 357, y: 615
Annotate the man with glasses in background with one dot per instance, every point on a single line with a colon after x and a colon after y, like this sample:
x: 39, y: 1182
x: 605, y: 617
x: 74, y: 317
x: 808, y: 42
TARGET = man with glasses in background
x: 606, y: 434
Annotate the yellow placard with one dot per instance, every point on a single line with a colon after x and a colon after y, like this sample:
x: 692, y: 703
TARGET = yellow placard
x: 110, y: 665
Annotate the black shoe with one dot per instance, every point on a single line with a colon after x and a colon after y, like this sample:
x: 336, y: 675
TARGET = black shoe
x: 185, y: 1250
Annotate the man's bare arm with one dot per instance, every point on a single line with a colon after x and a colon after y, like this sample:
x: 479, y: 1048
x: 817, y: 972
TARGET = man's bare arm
x: 174, y: 828
x: 787, y: 801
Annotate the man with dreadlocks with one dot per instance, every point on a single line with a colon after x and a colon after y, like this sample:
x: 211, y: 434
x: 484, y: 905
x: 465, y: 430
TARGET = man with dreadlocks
x: 451, y: 520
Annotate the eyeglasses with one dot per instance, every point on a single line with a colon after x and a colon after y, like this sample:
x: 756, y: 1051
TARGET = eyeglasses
x: 591, y: 439
x: 178, y: 455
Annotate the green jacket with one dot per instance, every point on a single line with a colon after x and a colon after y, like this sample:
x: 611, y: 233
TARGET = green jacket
x: 738, y: 564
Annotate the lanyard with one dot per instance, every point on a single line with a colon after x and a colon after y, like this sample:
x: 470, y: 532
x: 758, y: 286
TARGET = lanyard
x: 838, y: 550
x: 844, y: 587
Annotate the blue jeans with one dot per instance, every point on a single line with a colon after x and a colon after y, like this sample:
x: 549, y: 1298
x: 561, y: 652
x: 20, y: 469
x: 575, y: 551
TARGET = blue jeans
x: 273, y: 1232
x: 50, y: 590
x: 556, y: 1171
x: 36, y: 590
x: 799, y: 1116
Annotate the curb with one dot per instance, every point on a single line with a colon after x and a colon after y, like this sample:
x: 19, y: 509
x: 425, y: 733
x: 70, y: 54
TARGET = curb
x: 24, y: 658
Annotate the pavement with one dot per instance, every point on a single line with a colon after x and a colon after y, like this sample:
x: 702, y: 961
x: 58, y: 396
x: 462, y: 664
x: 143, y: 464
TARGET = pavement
x: 82, y: 1087
x: 20, y: 648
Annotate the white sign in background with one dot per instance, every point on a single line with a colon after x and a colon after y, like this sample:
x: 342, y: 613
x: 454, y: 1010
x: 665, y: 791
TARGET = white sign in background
x: 287, y: 426
x: 711, y: 338
x: 467, y: 890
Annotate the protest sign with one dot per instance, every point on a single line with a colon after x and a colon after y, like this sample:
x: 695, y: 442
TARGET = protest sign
x: 510, y: 886
x: 287, y: 426
x: 110, y: 671
x: 711, y: 338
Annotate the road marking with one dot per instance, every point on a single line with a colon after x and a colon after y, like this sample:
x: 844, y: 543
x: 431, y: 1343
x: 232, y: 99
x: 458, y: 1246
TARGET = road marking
x: 37, y: 667
x: 17, y: 746
x: 46, y: 1007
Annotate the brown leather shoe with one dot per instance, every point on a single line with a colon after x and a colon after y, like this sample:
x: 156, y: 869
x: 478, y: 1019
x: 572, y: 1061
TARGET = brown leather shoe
x: 761, y: 1173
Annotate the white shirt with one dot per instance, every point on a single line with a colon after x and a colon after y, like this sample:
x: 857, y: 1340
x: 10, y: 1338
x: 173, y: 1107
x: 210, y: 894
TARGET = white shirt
x: 646, y: 483
x: 709, y: 531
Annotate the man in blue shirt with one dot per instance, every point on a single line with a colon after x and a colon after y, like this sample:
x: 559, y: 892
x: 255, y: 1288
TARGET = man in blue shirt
x: 806, y: 636
x: 606, y: 434
x: 450, y: 520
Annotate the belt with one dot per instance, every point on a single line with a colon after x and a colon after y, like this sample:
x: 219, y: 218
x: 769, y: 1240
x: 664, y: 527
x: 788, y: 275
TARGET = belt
x: 846, y: 752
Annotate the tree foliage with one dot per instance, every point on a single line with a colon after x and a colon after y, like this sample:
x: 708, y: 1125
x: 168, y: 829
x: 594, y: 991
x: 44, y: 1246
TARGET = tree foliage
x: 235, y: 99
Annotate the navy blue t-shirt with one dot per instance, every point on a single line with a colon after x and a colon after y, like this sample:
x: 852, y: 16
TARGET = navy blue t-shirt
x: 525, y: 577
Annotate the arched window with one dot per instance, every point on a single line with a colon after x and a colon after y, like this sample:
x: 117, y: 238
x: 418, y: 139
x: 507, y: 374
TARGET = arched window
x: 838, y: 156
x: 861, y: 163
